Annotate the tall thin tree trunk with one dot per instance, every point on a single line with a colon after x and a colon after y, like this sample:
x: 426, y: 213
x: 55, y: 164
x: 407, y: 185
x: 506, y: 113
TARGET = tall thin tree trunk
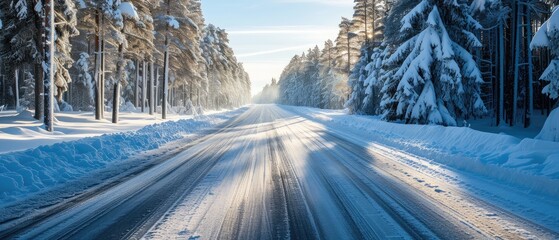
x: 144, y: 86
x: 152, y: 89
x: 119, y: 79
x: 517, y: 38
x: 157, y: 85
x: 39, y: 88
x: 97, y: 75
x: 501, y: 36
x: 137, y: 85
x: 38, y: 68
x: 530, y: 108
x: 49, y: 60
x: 116, y: 101
x: 166, y: 67
x: 16, y: 75
x: 103, y: 83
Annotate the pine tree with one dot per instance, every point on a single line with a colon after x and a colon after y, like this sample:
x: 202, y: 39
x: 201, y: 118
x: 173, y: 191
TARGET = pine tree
x: 357, y: 83
x: 548, y: 36
x: 372, y: 82
x: 227, y: 78
x: 21, y: 43
x: 66, y: 22
x: 85, y: 81
x: 438, y: 80
x: 28, y: 99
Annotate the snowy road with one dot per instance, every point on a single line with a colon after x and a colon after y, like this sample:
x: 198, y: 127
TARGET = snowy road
x: 272, y: 174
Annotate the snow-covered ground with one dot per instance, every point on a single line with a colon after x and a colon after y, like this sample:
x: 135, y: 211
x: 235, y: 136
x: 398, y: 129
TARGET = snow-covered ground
x: 488, y: 125
x: 35, y: 161
x: 20, y: 131
x: 281, y: 171
x: 336, y: 167
x: 526, y: 162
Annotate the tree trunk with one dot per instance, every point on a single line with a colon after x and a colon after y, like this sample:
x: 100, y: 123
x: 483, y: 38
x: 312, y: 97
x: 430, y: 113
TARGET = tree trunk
x: 49, y: 60
x: 517, y: 40
x: 103, y: 67
x: 165, y: 81
x: 97, y: 75
x: 38, y: 68
x: 530, y: 108
x: 157, y: 85
x: 501, y: 118
x: 151, y: 89
x: 116, y: 101
x: 39, y: 88
x: 144, y: 86
x: 16, y: 75
x: 137, y: 85
x: 119, y: 79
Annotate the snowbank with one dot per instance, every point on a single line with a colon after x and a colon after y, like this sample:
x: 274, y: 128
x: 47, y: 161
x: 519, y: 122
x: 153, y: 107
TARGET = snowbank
x: 550, y: 131
x: 46, y: 166
x: 20, y: 131
x: 533, y: 163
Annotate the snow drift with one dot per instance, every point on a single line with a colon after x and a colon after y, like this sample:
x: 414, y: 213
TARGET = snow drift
x: 46, y: 166
x: 532, y: 163
x: 550, y: 131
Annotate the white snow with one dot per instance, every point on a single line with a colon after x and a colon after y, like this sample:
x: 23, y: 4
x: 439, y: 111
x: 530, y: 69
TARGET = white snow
x: 540, y: 38
x: 26, y: 172
x: 550, y: 131
x: 525, y: 162
x: 238, y: 189
x: 20, y: 131
x: 128, y: 9
x: 173, y: 22
x: 553, y: 22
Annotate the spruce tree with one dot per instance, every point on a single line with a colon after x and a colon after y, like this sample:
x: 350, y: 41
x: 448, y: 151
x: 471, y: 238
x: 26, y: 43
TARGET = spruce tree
x: 434, y: 78
x: 548, y: 36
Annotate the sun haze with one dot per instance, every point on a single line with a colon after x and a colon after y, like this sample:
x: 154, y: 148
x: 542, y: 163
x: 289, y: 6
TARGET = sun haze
x: 267, y: 34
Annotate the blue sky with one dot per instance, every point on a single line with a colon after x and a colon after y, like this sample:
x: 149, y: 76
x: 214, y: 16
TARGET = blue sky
x: 266, y: 34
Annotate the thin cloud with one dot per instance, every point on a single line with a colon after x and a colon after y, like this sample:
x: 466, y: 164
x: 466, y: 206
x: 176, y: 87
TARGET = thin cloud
x: 271, y: 30
x: 260, y: 53
x: 324, y: 2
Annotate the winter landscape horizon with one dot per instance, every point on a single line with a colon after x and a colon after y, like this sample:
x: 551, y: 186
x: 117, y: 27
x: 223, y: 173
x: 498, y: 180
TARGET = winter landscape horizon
x: 279, y: 119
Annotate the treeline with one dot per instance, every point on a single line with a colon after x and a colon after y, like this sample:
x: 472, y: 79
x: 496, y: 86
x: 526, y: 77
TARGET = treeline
x: 150, y: 55
x: 438, y: 62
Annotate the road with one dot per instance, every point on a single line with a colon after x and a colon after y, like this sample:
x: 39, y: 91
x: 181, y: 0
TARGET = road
x: 273, y: 174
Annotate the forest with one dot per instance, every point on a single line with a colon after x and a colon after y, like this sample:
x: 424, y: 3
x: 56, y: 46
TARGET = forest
x: 433, y: 62
x: 153, y: 56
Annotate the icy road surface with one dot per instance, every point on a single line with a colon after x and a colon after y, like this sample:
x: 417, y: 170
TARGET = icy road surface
x: 272, y: 174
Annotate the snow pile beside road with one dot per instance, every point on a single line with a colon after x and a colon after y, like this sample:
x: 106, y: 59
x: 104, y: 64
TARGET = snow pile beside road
x: 529, y: 162
x: 46, y: 166
x: 550, y: 131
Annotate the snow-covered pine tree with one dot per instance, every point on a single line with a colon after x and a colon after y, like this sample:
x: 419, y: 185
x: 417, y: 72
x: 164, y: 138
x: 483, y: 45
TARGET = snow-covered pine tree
x: 327, y: 79
x: 492, y: 15
x: 315, y: 79
x: 357, y: 83
x: 85, y: 81
x: 131, y: 27
x: 66, y: 22
x: 548, y: 36
x: 372, y: 83
x: 28, y: 98
x: 196, y: 78
x: 168, y: 26
x: 227, y: 78
x: 102, y: 21
x: 437, y: 78
x: 21, y: 41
